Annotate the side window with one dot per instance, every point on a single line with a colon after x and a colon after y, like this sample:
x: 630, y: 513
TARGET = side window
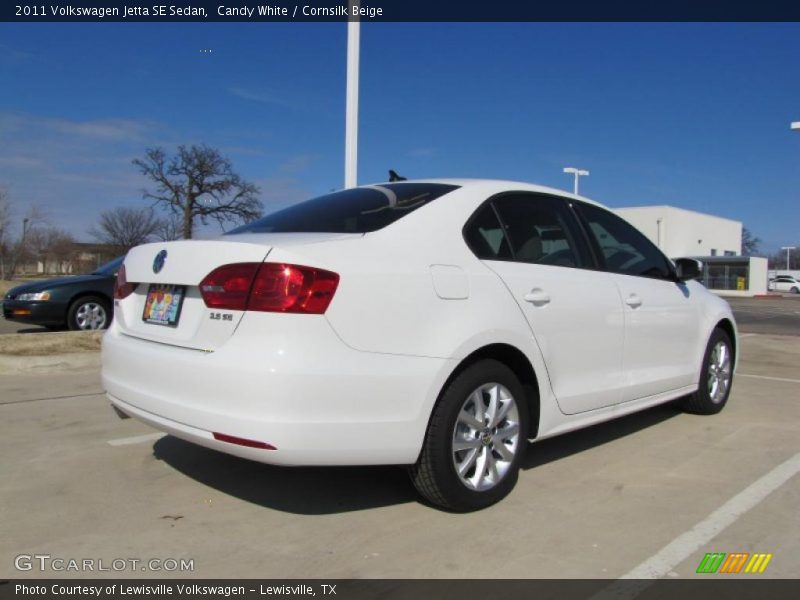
x: 540, y: 230
x: 485, y: 236
x: 626, y: 250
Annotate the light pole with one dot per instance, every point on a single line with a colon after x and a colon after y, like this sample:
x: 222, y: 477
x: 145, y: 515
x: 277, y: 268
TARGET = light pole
x: 788, y: 249
x: 351, y: 106
x: 578, y: 173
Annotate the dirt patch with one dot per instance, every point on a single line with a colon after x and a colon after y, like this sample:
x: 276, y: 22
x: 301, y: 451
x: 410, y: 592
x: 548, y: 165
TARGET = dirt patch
x: 43, y: 344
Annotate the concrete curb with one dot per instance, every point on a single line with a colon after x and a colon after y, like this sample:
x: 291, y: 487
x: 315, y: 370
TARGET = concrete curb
x: 47, y: 364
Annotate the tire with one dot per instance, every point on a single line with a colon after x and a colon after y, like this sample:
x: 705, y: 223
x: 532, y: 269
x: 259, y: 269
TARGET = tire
x: 716, y: 377
x: 501, y: 442
x: 796, y: 290
x: 89, y: 313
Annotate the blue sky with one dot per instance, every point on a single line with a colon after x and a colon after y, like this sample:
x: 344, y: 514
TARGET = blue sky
x: 693, y: 115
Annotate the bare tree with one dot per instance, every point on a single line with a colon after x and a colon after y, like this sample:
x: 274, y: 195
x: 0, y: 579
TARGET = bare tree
x: 750, y: 242
x: 169, y: 228
x: 5, y: 233
x: 199, y: 183
x: 51, y: 246
x: 19, y: 249
x: 126, y: 227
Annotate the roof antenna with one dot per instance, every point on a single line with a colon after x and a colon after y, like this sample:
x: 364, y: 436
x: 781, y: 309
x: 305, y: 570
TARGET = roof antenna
x: 393, y: 176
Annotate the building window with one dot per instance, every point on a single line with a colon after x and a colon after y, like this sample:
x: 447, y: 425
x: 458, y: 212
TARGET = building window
x: 713, y: 252
x: 730, y: 253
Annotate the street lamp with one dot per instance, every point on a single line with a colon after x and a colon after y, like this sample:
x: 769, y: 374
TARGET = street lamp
x: 788, y: 249
x: 351, y: 104
x: 578, y: 173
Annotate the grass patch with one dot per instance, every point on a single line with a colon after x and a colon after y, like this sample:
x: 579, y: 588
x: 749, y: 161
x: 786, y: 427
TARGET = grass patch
x: 44, y: 344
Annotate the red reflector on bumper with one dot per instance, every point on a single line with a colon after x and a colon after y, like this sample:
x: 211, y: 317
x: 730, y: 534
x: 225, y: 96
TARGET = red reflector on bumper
x: 243, y: 442
x: 20, y: 312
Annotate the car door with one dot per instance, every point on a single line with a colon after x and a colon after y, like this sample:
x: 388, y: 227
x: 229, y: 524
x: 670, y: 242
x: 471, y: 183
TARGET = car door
x: 661, y: 315
x: 533, y: 242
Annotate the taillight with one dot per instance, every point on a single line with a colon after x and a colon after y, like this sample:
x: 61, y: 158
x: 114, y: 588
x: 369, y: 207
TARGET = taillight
x: 228, y: 286
x: 269, y: 287
x: 122, y: 289
x: 293, y: 289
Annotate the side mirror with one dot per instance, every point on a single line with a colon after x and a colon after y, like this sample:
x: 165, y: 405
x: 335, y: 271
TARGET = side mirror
x: 688, y: 268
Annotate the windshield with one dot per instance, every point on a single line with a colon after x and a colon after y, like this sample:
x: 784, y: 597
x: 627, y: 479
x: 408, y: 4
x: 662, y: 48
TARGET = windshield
x: 356, y: 210
x: 110, y: 268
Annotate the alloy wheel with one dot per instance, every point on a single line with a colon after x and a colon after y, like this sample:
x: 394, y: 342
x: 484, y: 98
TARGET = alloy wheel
x: 486, y: 437
x: 719, y: 372
x: 91, y: 316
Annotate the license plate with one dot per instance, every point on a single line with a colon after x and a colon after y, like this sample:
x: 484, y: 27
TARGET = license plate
x: 163, y: 304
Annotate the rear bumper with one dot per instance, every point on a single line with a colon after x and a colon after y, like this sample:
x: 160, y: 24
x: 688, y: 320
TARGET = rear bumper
x: 317, y: 401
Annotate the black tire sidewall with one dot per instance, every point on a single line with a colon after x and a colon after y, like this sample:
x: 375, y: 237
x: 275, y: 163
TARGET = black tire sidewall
x: 708, y: 406
x: 460, y: 497
x: 72, y: 324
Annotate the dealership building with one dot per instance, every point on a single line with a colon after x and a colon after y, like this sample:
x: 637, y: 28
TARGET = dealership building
x: 714, y: 240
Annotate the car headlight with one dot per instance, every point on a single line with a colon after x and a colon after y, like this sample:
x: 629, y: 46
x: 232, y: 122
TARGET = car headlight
x: 34, y: 296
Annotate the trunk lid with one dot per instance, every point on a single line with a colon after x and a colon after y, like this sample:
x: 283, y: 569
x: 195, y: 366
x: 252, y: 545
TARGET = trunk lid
x: 185, y: 264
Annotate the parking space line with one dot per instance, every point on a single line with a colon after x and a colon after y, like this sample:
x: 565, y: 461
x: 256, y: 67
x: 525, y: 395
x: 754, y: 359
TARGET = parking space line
x: 682, y: 547
x: 785, y: 379
x: 138, y: 439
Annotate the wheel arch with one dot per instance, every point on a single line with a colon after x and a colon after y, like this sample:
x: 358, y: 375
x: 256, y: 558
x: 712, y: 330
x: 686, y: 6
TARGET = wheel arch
x: 514, y: 359
x: 727, y: 326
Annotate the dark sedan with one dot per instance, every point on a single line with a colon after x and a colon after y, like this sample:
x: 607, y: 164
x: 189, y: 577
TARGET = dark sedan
x: 75, y: 302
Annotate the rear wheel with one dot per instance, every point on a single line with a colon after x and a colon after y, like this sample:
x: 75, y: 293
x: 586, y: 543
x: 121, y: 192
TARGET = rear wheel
x: 475, y: 440
x: 796, y: 290
x: 716, y: 377
x: 88, y: 313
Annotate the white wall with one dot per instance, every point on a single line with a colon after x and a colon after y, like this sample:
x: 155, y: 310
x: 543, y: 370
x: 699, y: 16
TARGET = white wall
x: 775, y: 272
x: 685, y: 232
x: 758, y: 275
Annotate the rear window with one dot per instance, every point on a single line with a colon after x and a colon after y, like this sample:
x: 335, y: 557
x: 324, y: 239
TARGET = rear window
x: 356, y: 210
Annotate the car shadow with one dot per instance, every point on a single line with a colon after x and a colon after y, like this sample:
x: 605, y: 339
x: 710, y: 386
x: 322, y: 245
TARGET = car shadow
x: 299, y: 490
x: 33, y: 330
x: 331, y: 490
x: 563, y: 446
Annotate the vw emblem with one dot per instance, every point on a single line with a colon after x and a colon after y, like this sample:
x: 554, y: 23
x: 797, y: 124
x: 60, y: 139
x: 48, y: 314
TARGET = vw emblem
x: 159, y: 260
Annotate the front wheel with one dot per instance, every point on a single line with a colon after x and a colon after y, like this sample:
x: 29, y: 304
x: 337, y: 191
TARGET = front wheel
x: 716, y: 377
x: 476, y: 438
x: 88, y: 313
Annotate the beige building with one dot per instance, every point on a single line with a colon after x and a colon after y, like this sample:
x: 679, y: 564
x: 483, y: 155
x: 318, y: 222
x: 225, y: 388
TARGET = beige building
x: 714, y: 240
x: 680, y: 232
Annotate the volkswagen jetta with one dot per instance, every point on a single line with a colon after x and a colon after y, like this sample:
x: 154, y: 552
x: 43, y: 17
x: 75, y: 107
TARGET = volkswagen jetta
x: 437, y: 324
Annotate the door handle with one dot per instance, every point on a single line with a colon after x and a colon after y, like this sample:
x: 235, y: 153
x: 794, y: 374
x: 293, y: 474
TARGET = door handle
x: 537, y: 297
x: 633, y: 301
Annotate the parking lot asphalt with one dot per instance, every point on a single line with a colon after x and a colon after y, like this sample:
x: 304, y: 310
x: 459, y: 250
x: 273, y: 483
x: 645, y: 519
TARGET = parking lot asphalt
x: 650, y: 493
x: 7, y: 326
x: 778, y: 315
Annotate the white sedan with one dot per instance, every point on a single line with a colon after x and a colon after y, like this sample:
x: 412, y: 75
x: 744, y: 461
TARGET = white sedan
x: 439, y: 324
x: 784, y: 283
